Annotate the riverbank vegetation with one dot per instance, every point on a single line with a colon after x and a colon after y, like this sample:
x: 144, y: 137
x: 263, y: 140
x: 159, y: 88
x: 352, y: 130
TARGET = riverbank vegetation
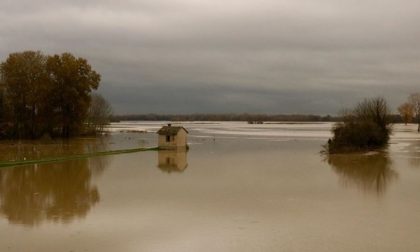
x: 49, y: 95
x: 365, y: 127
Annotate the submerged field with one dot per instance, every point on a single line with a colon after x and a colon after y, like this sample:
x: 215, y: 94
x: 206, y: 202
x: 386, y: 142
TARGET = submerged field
x: 240, y: 188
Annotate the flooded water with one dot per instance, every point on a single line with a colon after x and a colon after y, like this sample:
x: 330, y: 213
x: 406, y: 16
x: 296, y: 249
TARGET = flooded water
x: 240, y: 187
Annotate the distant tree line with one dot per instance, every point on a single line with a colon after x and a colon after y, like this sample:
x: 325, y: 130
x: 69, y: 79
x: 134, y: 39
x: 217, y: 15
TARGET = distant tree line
x: 394, y: 118
x: 226, y: 117
x: 49, y: 95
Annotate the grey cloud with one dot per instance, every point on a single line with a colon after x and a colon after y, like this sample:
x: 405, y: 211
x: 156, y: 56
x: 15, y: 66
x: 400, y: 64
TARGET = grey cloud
x: 269, y: 56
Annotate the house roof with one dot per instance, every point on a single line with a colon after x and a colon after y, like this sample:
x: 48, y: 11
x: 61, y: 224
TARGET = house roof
x: 170, y: 130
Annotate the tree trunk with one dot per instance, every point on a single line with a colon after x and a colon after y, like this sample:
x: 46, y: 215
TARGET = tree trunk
x: 418, y: 122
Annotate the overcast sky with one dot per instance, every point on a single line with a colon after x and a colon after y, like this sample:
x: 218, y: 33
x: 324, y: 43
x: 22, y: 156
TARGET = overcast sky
x: 213, y: 56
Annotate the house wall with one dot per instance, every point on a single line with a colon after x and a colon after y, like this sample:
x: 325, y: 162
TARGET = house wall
x: 180, y: 141
x: 163, y: 144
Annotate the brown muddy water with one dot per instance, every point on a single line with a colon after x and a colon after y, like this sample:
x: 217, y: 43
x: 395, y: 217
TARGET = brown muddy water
x: 239, y: 188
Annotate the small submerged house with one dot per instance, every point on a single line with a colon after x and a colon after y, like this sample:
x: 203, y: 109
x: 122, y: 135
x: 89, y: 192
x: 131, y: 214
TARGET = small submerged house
x: 172, y: 137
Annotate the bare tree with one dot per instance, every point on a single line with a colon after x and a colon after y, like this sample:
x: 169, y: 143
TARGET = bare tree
x: 99, y: 114
x: 414, y: 99
x: 373, y: 109
x: 406, y: 111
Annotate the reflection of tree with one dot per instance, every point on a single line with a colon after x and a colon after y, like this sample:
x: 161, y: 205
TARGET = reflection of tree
x: 371, y: 173
x: 58, y: 192
x: 50, y: 148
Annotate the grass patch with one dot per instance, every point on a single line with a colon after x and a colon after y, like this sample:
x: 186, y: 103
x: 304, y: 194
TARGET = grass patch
x: 72, y: 157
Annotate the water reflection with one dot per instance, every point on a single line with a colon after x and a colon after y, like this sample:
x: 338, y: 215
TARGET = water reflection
x: 370, y: 173
x: 13, y: 150
x: 58, y: 192
x: 412, y: 152
x: 172, y: 160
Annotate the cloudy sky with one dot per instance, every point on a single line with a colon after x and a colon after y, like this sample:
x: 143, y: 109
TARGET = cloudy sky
x: 213, y: 56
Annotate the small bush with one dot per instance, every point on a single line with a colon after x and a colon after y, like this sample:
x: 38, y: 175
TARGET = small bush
x: 364, y: 128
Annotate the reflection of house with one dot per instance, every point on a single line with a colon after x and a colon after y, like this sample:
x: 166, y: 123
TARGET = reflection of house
x: 172, y: 160
x: 172, y: 137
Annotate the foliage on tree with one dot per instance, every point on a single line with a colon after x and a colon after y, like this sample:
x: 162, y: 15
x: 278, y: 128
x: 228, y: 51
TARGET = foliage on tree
x: 72, y: 81
x: 406, y: 111
x: 366, y: 127
x: 24, y: 78
x: 42, y: 94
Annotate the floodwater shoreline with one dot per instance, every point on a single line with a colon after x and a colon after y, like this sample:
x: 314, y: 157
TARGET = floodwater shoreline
x: 240, y: 188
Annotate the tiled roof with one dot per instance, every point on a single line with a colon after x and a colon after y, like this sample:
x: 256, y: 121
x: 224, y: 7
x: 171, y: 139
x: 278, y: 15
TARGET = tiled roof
x: 170, y: 130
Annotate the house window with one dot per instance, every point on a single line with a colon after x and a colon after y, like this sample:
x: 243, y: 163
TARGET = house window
x: 168, y: 138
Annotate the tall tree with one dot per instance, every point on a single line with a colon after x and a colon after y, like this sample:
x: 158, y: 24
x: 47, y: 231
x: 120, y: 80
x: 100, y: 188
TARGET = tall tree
x: 24, y: 78
x: 406, y: 111
x: 2, y: 108
x: 72, y: 80
x: 414, y: 99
